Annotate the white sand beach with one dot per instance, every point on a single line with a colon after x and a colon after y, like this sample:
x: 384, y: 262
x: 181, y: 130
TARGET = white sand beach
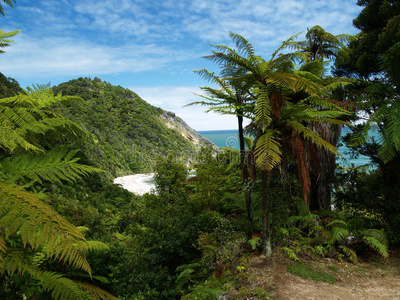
x: 138, y: 184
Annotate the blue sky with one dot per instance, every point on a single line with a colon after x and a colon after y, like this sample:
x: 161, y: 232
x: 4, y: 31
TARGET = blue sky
x: 152, y: 47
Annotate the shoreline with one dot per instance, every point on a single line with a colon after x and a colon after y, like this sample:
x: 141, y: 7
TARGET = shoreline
x: 136, y: 183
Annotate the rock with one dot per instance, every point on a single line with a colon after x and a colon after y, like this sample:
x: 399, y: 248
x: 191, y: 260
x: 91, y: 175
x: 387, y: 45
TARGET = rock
x: 174, y: 122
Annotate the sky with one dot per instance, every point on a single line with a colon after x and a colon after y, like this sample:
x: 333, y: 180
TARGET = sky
x: 153, y: 47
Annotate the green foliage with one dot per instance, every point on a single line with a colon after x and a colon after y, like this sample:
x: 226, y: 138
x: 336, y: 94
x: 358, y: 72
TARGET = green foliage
x: 34, y: 239
x: 8, y: 87
x: 170, y: 177
x: 56, y: 165
x: 125, y: 132
x: 326, y: 234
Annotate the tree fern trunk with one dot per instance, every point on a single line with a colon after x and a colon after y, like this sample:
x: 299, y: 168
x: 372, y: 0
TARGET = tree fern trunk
x: 266, y: 235
x: 239, y: 114
x: 322, y: 178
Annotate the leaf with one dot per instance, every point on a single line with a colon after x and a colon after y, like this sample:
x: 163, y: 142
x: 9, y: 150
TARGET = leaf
x: 268, y: 152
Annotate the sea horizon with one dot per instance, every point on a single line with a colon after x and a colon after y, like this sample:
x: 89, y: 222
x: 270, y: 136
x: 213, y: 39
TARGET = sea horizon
x: 229, y: 138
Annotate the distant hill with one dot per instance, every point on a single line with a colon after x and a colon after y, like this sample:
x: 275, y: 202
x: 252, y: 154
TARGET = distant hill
x: 127, y: 133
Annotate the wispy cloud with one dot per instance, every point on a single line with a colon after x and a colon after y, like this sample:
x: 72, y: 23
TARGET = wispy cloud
x: 174, y: 98
x: 124, y: 38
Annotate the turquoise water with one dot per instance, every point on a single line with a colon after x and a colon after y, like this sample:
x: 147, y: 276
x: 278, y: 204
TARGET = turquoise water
x: 229, y: 138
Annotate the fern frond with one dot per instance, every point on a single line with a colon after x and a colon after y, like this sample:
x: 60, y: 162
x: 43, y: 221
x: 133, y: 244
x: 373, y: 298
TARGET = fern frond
x: 95, y: 292
x: 378, y: 234
x: 96, y: 246
x: 4, y: 36
x: 349, y: 253
x: 291, y: 254
x: 338, y: 234
x: 268, y: 152
x: 60, y: 287
x: 55, y: 165
x: 313, y: 136
x: 263, y: 110
x: 376, y: 245
x: 40, y: 226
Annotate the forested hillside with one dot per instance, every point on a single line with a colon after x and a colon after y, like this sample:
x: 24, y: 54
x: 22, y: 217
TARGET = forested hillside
x: 126, y: 133
x: 250, y: 221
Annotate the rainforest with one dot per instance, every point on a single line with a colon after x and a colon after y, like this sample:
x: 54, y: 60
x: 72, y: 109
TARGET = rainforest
x: 281, y: 217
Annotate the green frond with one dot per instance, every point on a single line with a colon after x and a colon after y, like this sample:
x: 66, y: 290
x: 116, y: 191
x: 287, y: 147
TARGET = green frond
x: 24, y: 121
x: 268, y: 152
x: 378, y: 234
x: 242, y: 45
x: 349, y: 253
x: 314, y: 67
x: 4, y: 36
x: 285, y: 44
x: 313, y: 136
x: 10, y: 140
x: 338, y: 234
x: 284, y: 80
x: 96, y: 246
x: 60, y: 287
x: 328, y: 89
x: 291, y: 254
x: 55, y: 165
x: 307, y: 75
x: 83, y: 229
x: 40, y: 226
x: 376, y: 245
x: 337, y: 222
x: 8, y: 2
x: 263, y: 109
x: 95, y: 292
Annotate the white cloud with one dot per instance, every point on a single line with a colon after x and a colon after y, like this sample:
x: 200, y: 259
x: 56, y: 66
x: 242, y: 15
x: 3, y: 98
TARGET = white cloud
x: 57, y: 56
x: 174, y: 98
x: 130, y: 37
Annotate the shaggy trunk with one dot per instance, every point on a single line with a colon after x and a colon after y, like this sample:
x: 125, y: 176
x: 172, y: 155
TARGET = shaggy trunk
x: 266, y: 234
x: 322, y: 177
x: 248, y: 185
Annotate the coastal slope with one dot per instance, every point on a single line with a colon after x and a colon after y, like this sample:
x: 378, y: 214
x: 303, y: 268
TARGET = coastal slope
x: 126, y: 133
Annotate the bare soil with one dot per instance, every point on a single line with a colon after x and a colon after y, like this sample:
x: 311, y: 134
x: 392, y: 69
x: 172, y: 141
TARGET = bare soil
x: 377, y: 279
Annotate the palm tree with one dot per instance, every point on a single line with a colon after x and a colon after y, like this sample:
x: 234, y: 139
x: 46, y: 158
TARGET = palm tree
x: 284, y: 108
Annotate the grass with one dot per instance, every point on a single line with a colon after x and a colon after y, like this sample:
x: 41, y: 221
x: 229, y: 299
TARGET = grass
x: 305, y: 271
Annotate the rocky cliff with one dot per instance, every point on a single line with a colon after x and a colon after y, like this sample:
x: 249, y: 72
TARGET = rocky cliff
x: 172, y: 121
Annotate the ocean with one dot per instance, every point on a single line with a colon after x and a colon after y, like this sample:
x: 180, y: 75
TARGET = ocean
x: 229, y: 138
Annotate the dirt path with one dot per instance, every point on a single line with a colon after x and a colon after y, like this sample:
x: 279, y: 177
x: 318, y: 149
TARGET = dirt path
x: 359, y: 281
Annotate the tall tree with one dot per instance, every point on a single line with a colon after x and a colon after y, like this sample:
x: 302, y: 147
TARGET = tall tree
x: 319, y: 45
x: 374, y: 59
x: 233, y: 96
x: 284, y: 107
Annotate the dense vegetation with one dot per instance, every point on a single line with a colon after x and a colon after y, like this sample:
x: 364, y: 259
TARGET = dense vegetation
x: 66, y: 232
x: 126, y: 133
